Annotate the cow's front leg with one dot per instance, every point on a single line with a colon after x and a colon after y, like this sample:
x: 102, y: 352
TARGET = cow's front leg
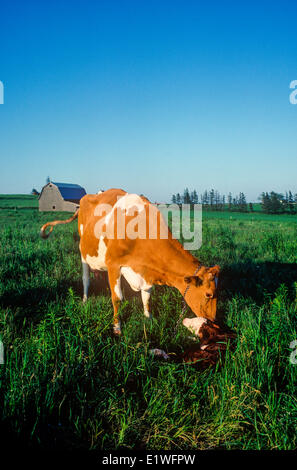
x: 114, y: 277
x: 145, y: 295
x: 86, y: 280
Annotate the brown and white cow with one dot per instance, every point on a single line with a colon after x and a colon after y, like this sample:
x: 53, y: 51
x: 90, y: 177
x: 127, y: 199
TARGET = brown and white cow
x: 143, y: 259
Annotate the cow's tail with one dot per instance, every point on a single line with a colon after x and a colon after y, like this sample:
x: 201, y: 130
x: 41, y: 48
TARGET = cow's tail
x: 43, y: 233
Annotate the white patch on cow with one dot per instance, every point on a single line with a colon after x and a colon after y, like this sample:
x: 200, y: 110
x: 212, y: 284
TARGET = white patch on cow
x: 81, y: 230
x: 128, y: 202
x: 194, y: 324
x: 117, y: 328
x: 145, y: 295
x: 98, y: 262
x: 135, y: 280
x: 117, y: 289
x: 86, y: 280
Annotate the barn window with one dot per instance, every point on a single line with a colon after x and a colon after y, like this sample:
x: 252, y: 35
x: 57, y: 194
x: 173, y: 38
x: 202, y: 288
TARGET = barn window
x: 54, y: 207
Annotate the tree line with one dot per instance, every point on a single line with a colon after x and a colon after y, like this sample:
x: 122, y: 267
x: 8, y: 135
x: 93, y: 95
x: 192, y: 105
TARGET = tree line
x: 277, y: 203
x: 213, y: 200
x: 271, y: 203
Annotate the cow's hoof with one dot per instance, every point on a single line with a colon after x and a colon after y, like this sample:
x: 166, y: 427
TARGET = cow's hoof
x: 117, y: 329
x: 148, y: 315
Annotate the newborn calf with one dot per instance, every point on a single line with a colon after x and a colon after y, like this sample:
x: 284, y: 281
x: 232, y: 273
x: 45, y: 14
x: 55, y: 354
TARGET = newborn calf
x: 212, y: 346
x: 213, y: 342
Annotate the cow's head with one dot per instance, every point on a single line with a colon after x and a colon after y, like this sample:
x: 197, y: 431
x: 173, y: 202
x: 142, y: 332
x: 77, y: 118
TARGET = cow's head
x: 202, y: 294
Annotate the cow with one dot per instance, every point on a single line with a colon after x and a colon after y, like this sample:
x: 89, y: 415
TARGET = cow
x: 109, y: 242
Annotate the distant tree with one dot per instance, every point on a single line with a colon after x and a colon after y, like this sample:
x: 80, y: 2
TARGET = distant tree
x: 186, y: 198
x: 265, y: 203
x: 173, y: 199
x: 194, y: 197
x: 211, y: 198
x: 178, y: 199
x: 275, y: 202
x: 242, y: 203
x: 205, y: 198
x: 229, y: 200
x: 35, y: 192
x: 48, y: 180
x: 272, y: 203
x: 251, y: 208
x: 284, y: 200
x: 291, y: 203
x: 217, y: 200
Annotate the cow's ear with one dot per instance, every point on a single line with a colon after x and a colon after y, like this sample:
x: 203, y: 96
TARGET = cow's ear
x: 214, y: 270
x: 195, y: 280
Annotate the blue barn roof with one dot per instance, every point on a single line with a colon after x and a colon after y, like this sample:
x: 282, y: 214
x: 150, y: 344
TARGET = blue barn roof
x: 70, y: 191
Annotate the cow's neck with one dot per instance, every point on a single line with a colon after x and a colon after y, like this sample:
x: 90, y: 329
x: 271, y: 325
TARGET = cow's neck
x: 175, y: 264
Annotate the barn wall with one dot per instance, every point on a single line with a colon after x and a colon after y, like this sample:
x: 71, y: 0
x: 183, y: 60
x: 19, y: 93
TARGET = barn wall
x: 70, y: 206
x: 51, y: 200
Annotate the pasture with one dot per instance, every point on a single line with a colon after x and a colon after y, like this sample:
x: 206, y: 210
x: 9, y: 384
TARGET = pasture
x: 68, y: 383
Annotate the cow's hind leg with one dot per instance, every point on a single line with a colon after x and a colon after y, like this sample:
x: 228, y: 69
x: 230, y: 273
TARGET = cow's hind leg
x: 86, y: 280
x: 114, y: 277
x: 145, y: 295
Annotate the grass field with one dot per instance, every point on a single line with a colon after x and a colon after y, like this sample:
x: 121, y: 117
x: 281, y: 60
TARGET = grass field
x: 67, y: 382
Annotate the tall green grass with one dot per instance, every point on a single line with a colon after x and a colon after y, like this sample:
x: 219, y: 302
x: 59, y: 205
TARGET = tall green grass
x: 67, y: 382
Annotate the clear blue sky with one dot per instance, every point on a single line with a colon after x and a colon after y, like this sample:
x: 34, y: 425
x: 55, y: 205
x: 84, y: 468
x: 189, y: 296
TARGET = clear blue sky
x: 150, y: 96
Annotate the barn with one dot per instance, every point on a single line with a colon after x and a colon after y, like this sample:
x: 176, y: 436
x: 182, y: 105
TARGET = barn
x: 60, y: 197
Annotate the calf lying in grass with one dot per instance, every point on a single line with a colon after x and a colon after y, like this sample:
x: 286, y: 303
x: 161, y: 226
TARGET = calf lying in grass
x: 214, y: 341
